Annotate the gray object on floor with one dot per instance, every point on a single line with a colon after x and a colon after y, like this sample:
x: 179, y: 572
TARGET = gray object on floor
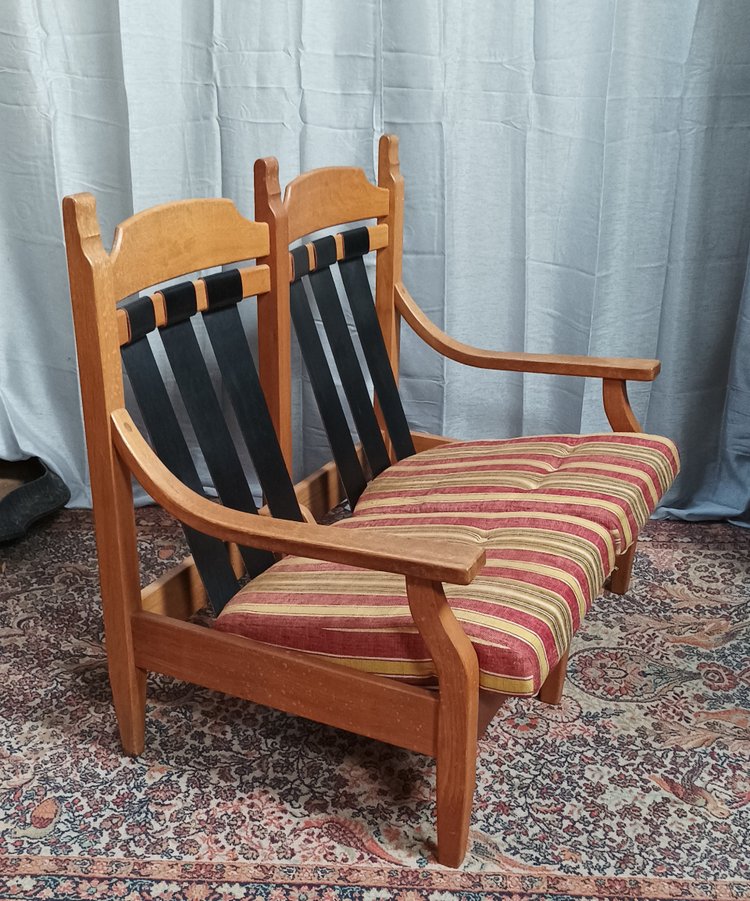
x: 29, y: 490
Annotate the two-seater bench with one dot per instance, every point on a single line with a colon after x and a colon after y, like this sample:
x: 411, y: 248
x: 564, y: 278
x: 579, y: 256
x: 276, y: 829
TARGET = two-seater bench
x: 464, y: 568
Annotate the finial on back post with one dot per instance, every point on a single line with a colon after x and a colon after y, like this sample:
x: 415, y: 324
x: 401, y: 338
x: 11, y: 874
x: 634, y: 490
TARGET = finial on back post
x: 266, y: 171
x: 389, y: 169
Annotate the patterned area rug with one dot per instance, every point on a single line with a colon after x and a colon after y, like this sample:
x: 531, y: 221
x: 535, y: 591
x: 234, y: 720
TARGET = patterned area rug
x: 638, y: 786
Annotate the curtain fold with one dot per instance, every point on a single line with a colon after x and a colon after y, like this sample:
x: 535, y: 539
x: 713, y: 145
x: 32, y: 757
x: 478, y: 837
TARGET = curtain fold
x: 577, y: 182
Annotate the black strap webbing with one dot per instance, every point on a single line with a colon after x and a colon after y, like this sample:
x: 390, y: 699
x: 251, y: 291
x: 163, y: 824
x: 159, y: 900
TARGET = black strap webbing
x: 210, y: 554
x: 356, y: 242
x: 211, y: 430
x: 357, y: 285
x: 349, y: 369
x: 240, y: 377
x: 141, y: 316
x: 326, y: 396
x: 223, y: 288
x: 179, y: 302
x: 300, y: 262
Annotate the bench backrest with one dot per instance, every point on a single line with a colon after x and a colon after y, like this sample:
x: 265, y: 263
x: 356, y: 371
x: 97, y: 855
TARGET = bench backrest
x: 150, y: 248
x: 316, y: 201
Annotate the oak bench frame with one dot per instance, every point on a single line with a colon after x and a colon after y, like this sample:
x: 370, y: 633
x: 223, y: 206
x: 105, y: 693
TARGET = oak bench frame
x: 148, y: 630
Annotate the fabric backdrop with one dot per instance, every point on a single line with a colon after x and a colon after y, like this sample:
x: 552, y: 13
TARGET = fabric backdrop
x: 577, y: 178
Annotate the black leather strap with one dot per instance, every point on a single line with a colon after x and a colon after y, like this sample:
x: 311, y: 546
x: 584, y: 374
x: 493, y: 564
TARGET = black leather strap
x: 300, y: 261
x: 356, y: 242
x: 210, y: 427
x: 325, y: 252
x: 326, y: 396
x: 141, y: 317
x: 349, y: 369
x: 357, y: 285
x: 210, y: 554
x: 223, y: 289
x: 240, y: 378
x: 179, y: 302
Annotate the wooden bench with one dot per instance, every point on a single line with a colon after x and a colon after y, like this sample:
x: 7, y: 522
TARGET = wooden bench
x: 464, y: 568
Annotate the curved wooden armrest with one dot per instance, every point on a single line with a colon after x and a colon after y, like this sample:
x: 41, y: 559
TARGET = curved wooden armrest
x: 554, y: 364
x: 440, y: 561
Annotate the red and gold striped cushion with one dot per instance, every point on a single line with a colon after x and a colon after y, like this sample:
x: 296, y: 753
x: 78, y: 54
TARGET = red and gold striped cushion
x: 615, y: 479
x: 520, y: 612
x: 551, y: 513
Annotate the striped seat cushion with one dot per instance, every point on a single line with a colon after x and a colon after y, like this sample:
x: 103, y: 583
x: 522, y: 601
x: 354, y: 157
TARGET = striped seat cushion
x: 615, y: 479
x: 520, y: 612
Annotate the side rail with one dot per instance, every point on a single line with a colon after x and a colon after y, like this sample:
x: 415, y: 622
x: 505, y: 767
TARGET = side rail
x: 613, y: 371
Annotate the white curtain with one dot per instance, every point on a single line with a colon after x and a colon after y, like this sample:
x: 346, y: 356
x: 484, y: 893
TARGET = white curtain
x: 577, y: 182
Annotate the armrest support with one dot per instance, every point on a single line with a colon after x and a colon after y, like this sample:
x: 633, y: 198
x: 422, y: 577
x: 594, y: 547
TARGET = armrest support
x: 554, y: 364
x: 439, y: 561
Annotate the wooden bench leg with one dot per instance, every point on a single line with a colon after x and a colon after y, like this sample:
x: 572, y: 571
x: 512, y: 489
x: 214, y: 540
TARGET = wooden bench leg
x: 128, y: 685
x: 489, y: 703
x: 456, y: 776
x: 551, y: 691
x: 619, y: 580
x: 458, y: 715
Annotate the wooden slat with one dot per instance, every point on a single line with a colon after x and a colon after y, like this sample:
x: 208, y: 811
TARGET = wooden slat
x: 378, y: 236
x: 401, y: 715
x: 123, y: 327
x: 321, y: 491
x: 255, y: 280
x: 424, y: 440
x: 204, y: 233
x: 178, y: 593
x: 554, y: 364
x: 378, y: 239
x: 388, y: 267
x: 332, y: 196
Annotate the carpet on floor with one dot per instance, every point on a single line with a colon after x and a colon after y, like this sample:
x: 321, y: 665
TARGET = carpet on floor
x: 637, y: 786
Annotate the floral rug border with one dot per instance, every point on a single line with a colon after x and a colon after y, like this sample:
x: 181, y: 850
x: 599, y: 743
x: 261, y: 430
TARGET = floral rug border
x: 19, y: 874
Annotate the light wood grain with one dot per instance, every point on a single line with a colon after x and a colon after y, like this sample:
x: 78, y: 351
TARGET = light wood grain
x: 331, y: 196
x: 97, y: 343
x: 400, y: 714
x: 489, y: 703
x: 388, y: 267
x: 157, y: 638
x: 424, y: 441
x: 178, y: 593
x: 176, y: 238
x: 617, y: 406
x: 458, y: 677
x: 274, y: 319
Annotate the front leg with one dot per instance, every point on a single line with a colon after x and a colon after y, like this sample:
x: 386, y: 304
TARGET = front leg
x: 551, y: 691
x: 619, y: 579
